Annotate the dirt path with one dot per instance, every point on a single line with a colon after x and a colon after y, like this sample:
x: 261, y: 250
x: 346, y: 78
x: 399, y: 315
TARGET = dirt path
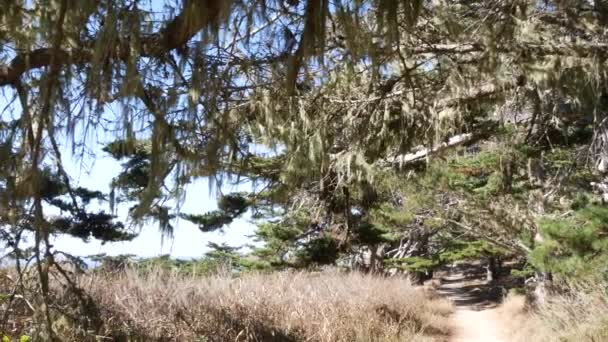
x: 476, y: 318
x: 476, y: 326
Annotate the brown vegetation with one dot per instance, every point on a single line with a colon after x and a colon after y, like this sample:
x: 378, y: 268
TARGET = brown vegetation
x: 284, y: 306
x: 580, y: 315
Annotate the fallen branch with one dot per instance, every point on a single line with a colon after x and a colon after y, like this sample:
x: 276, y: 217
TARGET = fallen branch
x: 579, y: 49
x: 423, y: 153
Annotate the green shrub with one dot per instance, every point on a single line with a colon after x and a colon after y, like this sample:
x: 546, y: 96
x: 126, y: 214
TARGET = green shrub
x: 576, y: 246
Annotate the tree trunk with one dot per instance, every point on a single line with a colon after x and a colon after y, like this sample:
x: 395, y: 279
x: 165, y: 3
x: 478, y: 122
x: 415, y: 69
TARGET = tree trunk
x: 492, y: 269
x: 539, y: 289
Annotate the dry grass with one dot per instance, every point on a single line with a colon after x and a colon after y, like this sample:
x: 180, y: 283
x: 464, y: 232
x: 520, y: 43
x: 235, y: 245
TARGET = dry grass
x: 286, y: 306
x: 579, y: 316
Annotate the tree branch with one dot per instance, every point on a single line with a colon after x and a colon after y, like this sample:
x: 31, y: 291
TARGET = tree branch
x: 581, y: 50
x: 195, y: 16
x: 423, y: 153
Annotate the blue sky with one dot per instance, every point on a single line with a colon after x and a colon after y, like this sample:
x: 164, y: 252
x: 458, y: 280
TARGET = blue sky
x: 188, y: 241
x: 96, y: 174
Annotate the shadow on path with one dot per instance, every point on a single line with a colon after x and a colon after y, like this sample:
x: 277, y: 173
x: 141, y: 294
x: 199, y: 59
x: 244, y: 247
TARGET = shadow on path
x: 477, y: 316
x: 466, y: 287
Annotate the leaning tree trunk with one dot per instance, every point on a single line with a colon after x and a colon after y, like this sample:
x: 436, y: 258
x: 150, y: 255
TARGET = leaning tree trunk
x: 415, y: 245
x: 538, y: 288
x: 599, y: 149
x: 493, y: 269
x: 372, y: 259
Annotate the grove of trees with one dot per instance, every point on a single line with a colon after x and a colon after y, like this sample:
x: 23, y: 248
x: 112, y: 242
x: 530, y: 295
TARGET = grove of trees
x: 387, y: 136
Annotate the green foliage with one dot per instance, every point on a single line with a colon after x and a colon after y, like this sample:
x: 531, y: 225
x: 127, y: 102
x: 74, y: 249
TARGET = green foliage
x: 112, y: 263
x: 282, y: 237
x: 569, y: 158
x: 134, y: 183
x: 135, y: 175
x: 476, y: 173
x: 384, y: 224
x: 22, y: 338
x: 97, y: 225
x: 196, y: 267
x: 575, y: 246
x: 210, y: 221
x: 322, y: 250
x: 75, y: 218
x: 220, y: 258
x: 454, y: 250
x: 276, y: 235
x: 493, y: 186
x: 457, y: 250
x: 415, y: 264
x: 524, y: 273
x: 262, y: 167
x: 580, y: 201
x: 370, y: 235
x: 230, y: 207
x: 296, y: 241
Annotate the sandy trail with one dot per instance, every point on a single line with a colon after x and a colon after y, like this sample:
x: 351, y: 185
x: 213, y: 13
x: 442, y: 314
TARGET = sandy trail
x: 476, y: 318
x: 476, y: 326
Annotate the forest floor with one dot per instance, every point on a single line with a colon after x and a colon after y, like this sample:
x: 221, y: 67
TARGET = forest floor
x: 477, y: 317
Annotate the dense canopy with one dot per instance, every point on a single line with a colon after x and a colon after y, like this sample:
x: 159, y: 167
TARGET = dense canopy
x: 394, y: 136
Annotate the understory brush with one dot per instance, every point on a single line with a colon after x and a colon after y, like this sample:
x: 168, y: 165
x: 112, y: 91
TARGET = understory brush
x: 282, y: 306
x: 579, y: 314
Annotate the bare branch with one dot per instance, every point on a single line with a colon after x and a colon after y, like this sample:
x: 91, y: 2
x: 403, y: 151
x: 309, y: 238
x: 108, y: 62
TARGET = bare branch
x: 423, y: 153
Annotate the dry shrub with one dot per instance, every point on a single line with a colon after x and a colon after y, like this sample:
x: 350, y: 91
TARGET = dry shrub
x: 577, y: 315
x: 284, y: 306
